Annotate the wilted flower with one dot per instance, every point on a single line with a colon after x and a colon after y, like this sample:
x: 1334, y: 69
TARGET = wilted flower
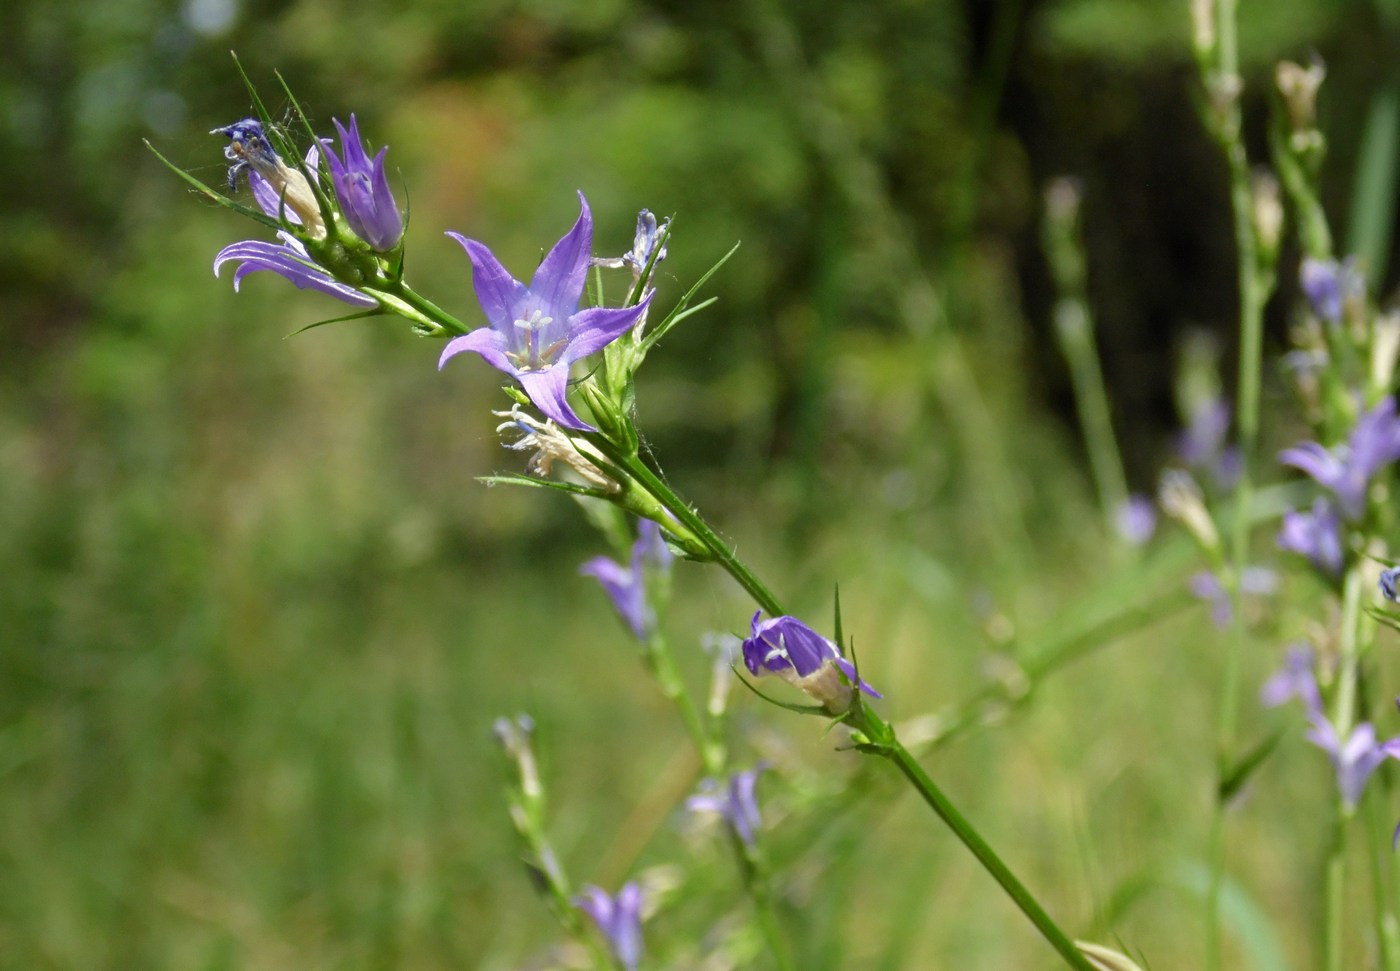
x: 362, y: 188
x: 1353, y: 759
x: 618, y: 918
x: 1316, y: 535
x: 735, y: 802
x: 1347, y: 469
x: 626, y: 585
x: 249, y: 150
x: 799, y: 655
x: 1329, y: 285
x: 288, y: 259
x: 1136, y: 519
x: 644, y: 243
x: 550, y: 445
x: 535, y: 333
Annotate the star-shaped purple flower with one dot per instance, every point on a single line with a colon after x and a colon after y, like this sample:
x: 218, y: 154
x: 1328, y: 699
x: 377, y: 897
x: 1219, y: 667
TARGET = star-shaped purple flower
x: 1347, y: 469
x: 536, y: 332
x: 618, y: 918
x: 1328, y: 285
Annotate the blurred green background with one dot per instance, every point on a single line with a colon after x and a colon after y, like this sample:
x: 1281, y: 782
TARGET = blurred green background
x: 257, y: 615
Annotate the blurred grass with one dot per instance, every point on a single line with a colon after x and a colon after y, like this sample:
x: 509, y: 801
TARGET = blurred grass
x: 257, y: 617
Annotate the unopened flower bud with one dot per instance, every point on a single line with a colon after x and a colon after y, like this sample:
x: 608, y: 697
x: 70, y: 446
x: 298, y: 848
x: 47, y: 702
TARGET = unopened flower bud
x: 1267, y: 213
x: 1203, y: 28
x: 800, y: 656
x: 1182, y: 500
x: 1299, y: 86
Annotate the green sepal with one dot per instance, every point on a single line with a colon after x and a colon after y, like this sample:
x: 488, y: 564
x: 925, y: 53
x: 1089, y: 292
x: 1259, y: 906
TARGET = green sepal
x: 529, y: 480
x: 679, y: 311
x: 1235, y: 776
x: 218, y: 197
x: 800, y: 709
x: 376, y: 312
x: 517, y: 395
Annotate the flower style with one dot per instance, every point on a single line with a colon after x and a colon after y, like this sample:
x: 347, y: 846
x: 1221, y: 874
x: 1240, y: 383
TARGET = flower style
x: 618, y: 918
x: 535, y: 333
x: 1347, y: 469
x: 644, y: 242
x: 626, y: 585
x: 735, y: 802
x: 1316, y: 535
x: 799, y: 655
x: 1329, y: 285
x: 362, y: 188
x: 1353, y: 760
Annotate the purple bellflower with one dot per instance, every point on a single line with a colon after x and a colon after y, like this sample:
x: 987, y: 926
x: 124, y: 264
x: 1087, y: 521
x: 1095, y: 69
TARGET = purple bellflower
x: 288, y: 259
x: 626, y: 585
x: 735, y: 802
x: 1329, y: 285
x: 799, y: 655
x: 1347, y: 469
x: 1353, y: 760
x: 536, y: 332
x: 618, y: 918
x: 362, y: 188
x: 1316, y: 535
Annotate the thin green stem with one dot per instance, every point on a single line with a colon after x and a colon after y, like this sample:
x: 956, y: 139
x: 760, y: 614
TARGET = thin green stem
x: 1335, y: 888
x: 688, y: 518
x: 663, y: 667
x: 756, y: 882
x: 893, y: 750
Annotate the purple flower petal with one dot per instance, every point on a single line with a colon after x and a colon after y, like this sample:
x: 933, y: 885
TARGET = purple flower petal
x: 484, y: 341
x: 291, y: 262
x: 548, y: 391
x: 592, y: 330
x: 497, y: 291
x: 559, y: 279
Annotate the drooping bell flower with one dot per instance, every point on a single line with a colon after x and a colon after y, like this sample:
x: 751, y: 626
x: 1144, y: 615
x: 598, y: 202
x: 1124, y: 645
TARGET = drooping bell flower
x: 799, y: 655
x: 736, y: 802
x: 619, y: 919
x: 1347, y: 469
x: 626, y: 585
x: 1316, y: 534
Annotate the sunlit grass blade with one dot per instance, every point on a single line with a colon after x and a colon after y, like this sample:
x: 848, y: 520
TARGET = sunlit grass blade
x: 1373, y: 199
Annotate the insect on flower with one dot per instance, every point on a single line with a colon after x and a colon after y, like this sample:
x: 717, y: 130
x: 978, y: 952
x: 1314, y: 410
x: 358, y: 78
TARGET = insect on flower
x: 250, y: 151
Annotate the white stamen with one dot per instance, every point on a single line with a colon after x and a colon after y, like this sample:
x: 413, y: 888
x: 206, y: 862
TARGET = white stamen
x: 536, y: 321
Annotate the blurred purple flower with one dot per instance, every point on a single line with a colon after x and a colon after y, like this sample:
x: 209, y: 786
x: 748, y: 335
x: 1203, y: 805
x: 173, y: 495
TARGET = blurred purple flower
x: 1328, y: 285
x: 1347, y: 469
x: 363, y: 190
x: 799, y: 655
x: 1136, y: 519
x: 736, y: 802
x: 1255, y: 580
x: 535, y: 333
x: 1316, y: 535
x: 1388, y: 578
x: 618, y: 918
x: 626, y: 585
x: 1353, y: 760
x: 1202, y: 444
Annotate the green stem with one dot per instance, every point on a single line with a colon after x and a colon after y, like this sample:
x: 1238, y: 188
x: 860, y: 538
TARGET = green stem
x: 893, y: 750
x: 663, y: 667
x: 1335, y: 889
x: 430, y: 310
x: 756, y: 882
x: 688, y: 518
